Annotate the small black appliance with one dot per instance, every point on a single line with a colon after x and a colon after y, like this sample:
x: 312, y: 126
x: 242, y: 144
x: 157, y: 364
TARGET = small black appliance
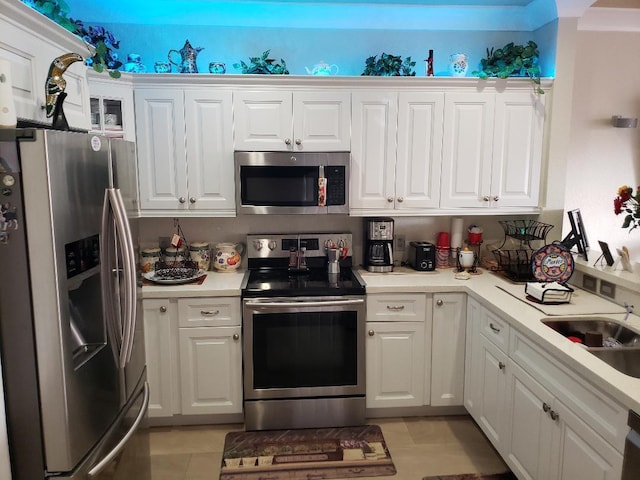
x: 422, y: 256
x: 378, y: 247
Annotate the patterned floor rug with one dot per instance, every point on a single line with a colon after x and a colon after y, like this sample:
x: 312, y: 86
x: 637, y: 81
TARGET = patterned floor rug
x: 346, y: 452
x: 475, y: 476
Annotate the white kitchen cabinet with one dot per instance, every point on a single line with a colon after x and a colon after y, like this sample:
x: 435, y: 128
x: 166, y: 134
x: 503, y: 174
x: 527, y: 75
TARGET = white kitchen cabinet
x: 160, y: 323
x: 548, y: 441
x: 448, y: 349
x: 210, y: 355
x: 395, y: 350
x: 492, y: 149
x: 185, y: 151
x: 281, y: 120
x: 396, y: 151
x: 112, y: 107
x: 30, y: 42
x: 485, y: 371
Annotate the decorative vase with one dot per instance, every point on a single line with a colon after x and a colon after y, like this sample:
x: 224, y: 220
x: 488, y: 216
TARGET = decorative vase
x: 458, y: 64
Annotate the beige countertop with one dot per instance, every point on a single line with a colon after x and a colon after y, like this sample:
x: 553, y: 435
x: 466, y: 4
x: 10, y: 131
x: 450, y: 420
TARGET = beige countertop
x: 521, y: 314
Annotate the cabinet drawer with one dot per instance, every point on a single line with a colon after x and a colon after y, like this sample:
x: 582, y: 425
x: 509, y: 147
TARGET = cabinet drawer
x: 396, y: 308
x: 495, y: 330
x: 601, y: 412
x: 208, y: 312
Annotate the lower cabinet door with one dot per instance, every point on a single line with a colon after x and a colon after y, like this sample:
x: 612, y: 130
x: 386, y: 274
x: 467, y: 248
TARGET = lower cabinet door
x: 492, y: 378
x: 395, y: 364
x: 211, y: 370
x: 579, y: 452
x: 531, y: 430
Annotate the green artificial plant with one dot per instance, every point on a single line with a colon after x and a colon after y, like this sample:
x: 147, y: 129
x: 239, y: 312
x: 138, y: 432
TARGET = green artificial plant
x: 389, y: 65
x: 512, y: 60
x: 263, y: 65
x: 101, y: 41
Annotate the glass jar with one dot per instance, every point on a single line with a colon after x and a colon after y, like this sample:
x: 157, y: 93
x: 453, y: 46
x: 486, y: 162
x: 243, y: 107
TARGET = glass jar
x: 200, y: 254
x: 148, y: 259
x: 175, y: 257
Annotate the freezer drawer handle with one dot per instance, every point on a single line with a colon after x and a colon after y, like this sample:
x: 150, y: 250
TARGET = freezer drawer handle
x: 122, y: 443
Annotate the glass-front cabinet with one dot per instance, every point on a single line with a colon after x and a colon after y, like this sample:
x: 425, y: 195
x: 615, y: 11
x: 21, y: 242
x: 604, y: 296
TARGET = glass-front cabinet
x: 111, y: 102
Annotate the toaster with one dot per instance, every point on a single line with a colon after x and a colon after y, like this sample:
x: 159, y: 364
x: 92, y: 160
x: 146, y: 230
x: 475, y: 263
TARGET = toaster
x: 422, y: 256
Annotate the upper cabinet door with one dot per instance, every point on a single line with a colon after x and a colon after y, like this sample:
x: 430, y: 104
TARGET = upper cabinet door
x: 209, y: 142
x: 322, y: 121
x: 263, y: 120
x: 467, y: 150
x: 517, y: 149
x: 419, y: 154
x: 373, y: 150
x: 161, y: 149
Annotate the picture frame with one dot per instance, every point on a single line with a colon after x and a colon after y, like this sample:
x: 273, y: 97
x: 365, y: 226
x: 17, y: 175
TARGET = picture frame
x: 606, y: 253
x: 577, y: 236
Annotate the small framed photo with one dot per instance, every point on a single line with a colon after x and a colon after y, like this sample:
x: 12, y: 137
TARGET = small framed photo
x: 606, y: 253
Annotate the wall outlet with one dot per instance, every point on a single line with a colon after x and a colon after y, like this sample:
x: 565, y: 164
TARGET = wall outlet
x: 400, y: 242
x: 607, y: 289
x: 589, y: 283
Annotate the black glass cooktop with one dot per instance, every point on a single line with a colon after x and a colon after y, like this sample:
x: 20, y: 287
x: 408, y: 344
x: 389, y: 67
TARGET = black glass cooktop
x: 315, y: 282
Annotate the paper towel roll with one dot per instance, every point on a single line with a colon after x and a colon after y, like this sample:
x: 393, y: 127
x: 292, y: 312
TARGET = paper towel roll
x: 456, y: 233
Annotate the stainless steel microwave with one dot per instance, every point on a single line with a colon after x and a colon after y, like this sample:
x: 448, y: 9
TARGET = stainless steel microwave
x: 292, y: 182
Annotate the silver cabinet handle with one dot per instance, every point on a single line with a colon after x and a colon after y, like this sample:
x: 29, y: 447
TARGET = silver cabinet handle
x: 554, y: 415
x: 236, y: 336
x: 209, y: 313
x: 192, y: 200
x: 439, y: 302
x: 371, y: 333
x: 400, y: 199
x: 486, y: 198
x: 390, y: 199
x: 501, y: 365
x: 496, y: 198
x: 298, y: 141
x: 494, y: 328
x: 546, y: 407
x: 287, y: 141
x: 395, y: 308
x: 182, y: 200
x: 163, y: 309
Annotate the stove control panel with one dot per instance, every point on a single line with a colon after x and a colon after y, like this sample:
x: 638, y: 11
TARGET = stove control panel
x: 280, y: 245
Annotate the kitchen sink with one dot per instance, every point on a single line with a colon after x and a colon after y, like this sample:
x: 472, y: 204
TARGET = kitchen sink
x: 621, y: 344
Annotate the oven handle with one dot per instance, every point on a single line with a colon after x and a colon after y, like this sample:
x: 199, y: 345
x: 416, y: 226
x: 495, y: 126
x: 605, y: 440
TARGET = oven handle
x: 321, y: 303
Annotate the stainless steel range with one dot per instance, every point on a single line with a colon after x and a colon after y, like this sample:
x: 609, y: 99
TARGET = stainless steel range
x: 304, y: 325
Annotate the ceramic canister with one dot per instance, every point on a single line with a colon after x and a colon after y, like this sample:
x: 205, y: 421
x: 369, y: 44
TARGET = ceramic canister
x: 148, y: 259
x: 174, y: 257
x: 200, y: 254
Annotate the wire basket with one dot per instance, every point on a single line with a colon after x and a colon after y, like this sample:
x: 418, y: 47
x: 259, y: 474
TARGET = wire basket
x: 515, y: 263
x: 525, y: 230
x: 176, y: 271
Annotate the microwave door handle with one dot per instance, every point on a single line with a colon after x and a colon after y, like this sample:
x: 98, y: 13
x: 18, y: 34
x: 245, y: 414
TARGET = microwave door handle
x: 123, y: 442
x: 106, y: 248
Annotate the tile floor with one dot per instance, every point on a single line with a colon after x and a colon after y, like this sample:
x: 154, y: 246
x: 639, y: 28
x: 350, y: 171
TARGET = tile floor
x: 419, y: 446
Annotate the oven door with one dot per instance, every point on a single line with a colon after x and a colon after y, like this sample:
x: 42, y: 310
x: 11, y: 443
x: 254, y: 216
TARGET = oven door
x: 304, y: 347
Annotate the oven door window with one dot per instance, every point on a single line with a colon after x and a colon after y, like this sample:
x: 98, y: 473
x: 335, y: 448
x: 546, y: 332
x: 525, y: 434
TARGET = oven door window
x: 315, y: 349
x: 279, y: 186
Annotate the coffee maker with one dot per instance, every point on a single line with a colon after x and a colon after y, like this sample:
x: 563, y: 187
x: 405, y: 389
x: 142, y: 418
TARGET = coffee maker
x: 378, y: 248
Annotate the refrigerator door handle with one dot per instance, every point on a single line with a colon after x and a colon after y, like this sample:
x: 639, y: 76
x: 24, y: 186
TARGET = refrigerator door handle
x: 123, y: 442
x: 123, y: 236
x: 106, y: 248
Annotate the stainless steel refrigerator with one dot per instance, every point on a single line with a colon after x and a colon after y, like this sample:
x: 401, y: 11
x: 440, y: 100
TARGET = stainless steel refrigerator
x: 71, y: 336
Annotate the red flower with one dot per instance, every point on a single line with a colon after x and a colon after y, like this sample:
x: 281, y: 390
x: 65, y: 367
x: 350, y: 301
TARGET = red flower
x: 618, y: 205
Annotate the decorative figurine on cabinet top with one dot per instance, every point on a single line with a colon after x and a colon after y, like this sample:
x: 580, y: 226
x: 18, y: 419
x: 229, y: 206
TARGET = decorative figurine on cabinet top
x: 55, y: 86
x: 188, y: 56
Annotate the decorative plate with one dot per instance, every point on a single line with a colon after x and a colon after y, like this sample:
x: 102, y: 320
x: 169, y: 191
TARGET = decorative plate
x: 552, y: 263
x: 152, y: 277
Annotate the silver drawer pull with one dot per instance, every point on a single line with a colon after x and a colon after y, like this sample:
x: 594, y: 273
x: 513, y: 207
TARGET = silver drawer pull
x: 236, y: 336
x: 395, y: 308
x: 209, y: 313
x: 495, y: 329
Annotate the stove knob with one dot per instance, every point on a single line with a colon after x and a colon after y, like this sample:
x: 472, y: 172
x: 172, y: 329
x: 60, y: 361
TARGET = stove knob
x: 272, y: 245
x: 257, y: 245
